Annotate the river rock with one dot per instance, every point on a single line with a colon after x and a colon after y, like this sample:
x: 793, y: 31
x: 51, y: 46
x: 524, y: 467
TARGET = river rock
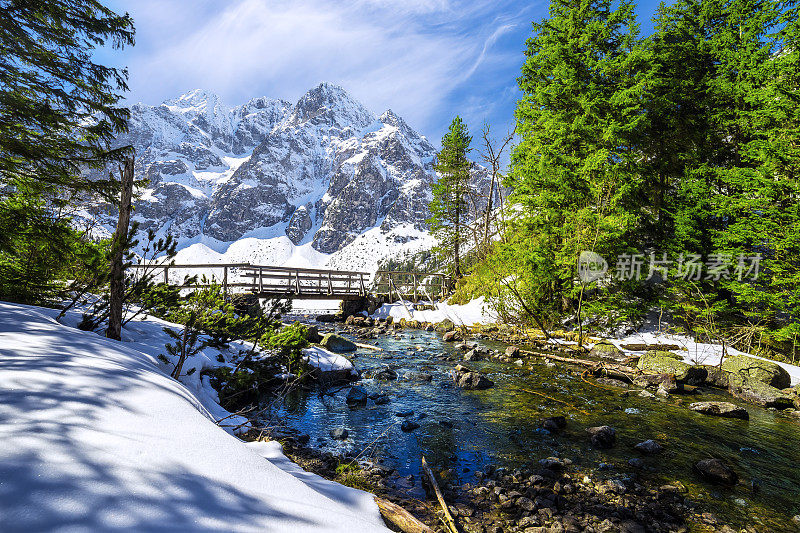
x: 661, y: 362
x: 715, y: 471
x: 383, y: 399
x: 716, y: 377
x: 723, y: 409
x: 415, y: 375
x: 470, y: 380
x: 404, y: 414
x: 409, y: 425
x: 605, y: 349
x: 759, y: 393
x: 385, y: 374
x: 339, y: 434
x: 602, y: 437
x: 450, y: 336
x: 312, y: 334
x: 445, y: 325
x: 337, y: 343
x: 472, y: 355
x: 649, y: 447
x: 750, y: 368
x: 554, y: 423
x: 356, y: 396
x: 512, y: 351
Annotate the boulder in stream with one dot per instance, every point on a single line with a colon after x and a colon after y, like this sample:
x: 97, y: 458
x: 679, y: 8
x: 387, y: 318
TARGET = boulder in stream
x: 337, y: 343
x: 649, y: 447
x: 715, y: 471
x: 470, y: 380
x: 408, y: 425
x: 754, y: 369
x: 602, y: 437
x: 356, y: 396
x: 759, y: 393
x: 723, y: 409
x: 339, y: 434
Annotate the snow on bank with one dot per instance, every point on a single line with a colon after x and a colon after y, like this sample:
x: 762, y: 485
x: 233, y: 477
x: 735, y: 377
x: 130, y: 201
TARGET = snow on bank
x: 326, y: 361
x: 96, y: 437
x: 474, y: 312
x: 697, y: 352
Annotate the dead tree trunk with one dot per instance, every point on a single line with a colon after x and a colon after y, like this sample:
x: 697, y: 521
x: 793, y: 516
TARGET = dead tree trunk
x: 117, y: 278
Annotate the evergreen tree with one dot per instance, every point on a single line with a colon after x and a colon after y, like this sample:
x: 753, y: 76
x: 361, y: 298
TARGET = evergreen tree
x: 59, y: 111
x: 574, y: 172
x: 449, y: 205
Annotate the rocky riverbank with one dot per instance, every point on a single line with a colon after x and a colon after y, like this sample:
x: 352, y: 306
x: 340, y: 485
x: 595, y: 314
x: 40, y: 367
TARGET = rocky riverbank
x: 550, y: 494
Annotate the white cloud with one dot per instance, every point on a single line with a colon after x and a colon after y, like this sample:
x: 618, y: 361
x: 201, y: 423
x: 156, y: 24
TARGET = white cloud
x: 259, y: 47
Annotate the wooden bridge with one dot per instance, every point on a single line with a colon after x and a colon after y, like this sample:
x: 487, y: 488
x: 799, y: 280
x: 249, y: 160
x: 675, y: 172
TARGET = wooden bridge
x: 300, y: 283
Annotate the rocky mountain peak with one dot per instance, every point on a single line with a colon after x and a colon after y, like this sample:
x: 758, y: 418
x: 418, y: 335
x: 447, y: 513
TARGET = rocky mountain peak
x: 331, y: 105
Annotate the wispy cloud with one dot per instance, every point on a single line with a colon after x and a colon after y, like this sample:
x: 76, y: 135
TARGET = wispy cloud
x: 414, y: 56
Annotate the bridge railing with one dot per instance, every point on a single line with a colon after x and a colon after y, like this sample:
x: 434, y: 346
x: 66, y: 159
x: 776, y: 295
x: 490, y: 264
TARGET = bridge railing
x: 411, y: 285
x: 308, y: 282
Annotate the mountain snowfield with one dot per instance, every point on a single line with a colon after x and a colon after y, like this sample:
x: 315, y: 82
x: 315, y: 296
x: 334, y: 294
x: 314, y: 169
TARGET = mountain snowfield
x: 322, y: 182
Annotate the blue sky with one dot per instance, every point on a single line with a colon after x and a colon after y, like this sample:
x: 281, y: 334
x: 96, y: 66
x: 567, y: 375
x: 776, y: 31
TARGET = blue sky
x: 427, y: 60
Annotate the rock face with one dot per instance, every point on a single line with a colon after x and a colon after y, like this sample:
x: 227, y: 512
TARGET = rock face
x: 716, y: 471
x: 723, y: 409
x: 322, y: 171
x: 758, y: 370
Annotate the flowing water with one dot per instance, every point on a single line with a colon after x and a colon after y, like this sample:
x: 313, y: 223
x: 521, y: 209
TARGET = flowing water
x: 463, y: 431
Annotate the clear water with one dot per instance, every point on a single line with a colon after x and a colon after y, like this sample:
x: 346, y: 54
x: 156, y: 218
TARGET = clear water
x: 500, y: 426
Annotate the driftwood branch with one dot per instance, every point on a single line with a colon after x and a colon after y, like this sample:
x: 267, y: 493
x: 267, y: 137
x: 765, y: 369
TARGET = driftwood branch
x: 615, y: 371
x: 448, y: 518
x: 401, y: 518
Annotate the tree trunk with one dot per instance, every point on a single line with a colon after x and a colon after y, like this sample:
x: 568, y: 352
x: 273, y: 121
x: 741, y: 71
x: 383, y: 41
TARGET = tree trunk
x: 457, y: 244
x: 117, y: 283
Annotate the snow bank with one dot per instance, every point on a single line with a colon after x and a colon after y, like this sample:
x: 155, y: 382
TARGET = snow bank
x: 96, y: 437
x: 474, y: 312
x: 326, y: 361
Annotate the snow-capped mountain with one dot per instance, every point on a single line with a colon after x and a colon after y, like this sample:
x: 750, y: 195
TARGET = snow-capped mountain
x: 323, y: 181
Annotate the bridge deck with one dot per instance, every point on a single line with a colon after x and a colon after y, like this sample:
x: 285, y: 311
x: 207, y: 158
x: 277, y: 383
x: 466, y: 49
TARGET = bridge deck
x: 300, y: 283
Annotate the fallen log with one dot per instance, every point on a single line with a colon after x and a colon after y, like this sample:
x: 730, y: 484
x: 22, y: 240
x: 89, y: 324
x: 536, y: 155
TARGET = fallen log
x: 368, y: 346
x: 448, y: 518
x: 401, y: 518
x: 597, y: 368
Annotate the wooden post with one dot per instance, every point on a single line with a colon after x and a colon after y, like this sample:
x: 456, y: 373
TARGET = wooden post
x: 330, y: 283
x: 260, y: 280
x: 166, y: 275
x: 297, y: 281
x: 118, y: 243
x: 416, y: 298
x: 225, y: 283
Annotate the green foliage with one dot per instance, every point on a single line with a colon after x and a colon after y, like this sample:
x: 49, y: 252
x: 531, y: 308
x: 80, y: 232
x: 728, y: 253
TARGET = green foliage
x: 187, y: 344
x: 43, y: 252
x: 60, y: 109
x: 685, y: 142
x: 449, y: 207
x: 289, y: 341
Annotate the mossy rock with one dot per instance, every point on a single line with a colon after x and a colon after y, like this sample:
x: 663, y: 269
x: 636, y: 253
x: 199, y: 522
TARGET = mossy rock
x: 337, y: 343
x: 760, y: 393
x: 716, y: 377
x: 605, y: 349
x: 445, y: 326
x: 753, y: 369
x: 660, y: 362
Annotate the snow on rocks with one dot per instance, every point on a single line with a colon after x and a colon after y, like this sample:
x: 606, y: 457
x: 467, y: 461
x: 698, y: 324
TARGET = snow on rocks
x: 97, y: 437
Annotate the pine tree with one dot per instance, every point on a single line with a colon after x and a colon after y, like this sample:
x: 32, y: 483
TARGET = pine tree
x: 574, y: 171
x: 449, y: 205
x: 59, y: 110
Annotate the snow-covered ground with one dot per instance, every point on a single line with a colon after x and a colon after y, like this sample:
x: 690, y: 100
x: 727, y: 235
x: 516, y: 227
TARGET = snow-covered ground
x: 97, y: 437
x: 474, y: 312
